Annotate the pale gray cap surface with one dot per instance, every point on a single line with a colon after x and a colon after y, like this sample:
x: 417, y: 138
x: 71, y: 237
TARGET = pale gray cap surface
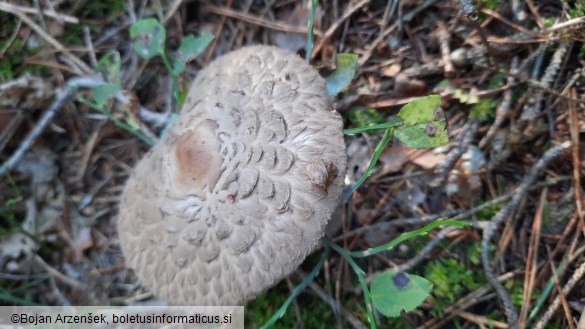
x: 238, y: 193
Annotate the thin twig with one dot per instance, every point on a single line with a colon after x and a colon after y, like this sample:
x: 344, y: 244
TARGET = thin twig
x: 278, y: 26
x: 574, y: 130
x: 89, y: 45
x: 12, y: 8
x: 461, y: 146
x: 173, y: 8
x: 569, y: 23
x: 58, y: 275
x: 503, y: 110
x: 462, y: 304
x: 532, y: 261
x: 503, y: 215
x: 575, y: 278
x: 52, y: 41
x: 12, y: 38
x: 444, y: 39
x: 562, y: 296
x: 62, y: 98
x: 336, y: 307
x: 211, y: 50
x: 533, y: 109
x: 331, y: 30
x: 482, y: 320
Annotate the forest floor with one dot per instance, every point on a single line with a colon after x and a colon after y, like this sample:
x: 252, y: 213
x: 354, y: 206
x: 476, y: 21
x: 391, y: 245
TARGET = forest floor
x: 510, y: 76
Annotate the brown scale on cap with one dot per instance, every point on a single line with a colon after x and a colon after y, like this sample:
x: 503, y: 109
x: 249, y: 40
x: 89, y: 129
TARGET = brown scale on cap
x: 197, y: 156
x: 239, y: 191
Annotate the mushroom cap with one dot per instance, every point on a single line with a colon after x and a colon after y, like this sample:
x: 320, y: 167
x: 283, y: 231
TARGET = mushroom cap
x: 240, y: 190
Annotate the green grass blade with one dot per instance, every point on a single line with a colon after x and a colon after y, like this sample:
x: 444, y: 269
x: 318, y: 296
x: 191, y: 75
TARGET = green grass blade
x: 310, y: 36
x: 147, y: 140
x: 381, y: 146
x: 355, y: 131
x: 361, y: 277
x: 297, y: 291
x: 407, y: 235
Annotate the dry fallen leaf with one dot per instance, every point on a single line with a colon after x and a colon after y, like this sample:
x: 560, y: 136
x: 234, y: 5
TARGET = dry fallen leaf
x: 392, y: 70
x: 429, y: 160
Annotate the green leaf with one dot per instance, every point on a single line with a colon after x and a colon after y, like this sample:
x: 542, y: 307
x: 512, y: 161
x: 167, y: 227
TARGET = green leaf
x: 104, y: 92
x: 109, y: 66
x: 420, y: 110
x: 393, y: 292
x: 190, y: 48
x: 343, y: 74
x: 150, y: 35
x: 424, y: 125
x: 466, y: 97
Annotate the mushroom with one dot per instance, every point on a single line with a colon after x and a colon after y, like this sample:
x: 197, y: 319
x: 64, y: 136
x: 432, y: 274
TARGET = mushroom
x: 240, y: 190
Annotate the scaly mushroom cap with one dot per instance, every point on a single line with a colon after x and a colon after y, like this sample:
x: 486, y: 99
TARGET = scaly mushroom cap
x: 238, y: 193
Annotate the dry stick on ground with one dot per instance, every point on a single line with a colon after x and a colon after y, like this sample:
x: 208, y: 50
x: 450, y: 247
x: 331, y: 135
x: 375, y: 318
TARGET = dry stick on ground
x: 62, y: 98
x: 503, y: 110
x: 581, y: 324
x: 239, y: 25
x: 574, y: 129
x: 444, y: 38
x: 532, y: 110
x: 429, y: 247
x: 560, y: 294
x: 15, y: 34
x: 386, y: 223
x: 52, y: 41
x: 299, y: 323
x: 424, y: 252
x: 564, y: 25
x: 532, y: 260
x: 173, y: 8
x: 534, y: 10
x: 211, y: 49
x: 503, y: 215
x: 278, y: 26
x: 575, y: 278
x: 461, y: 145
x: 331, y: 30
x: 482, y: 321
x: 464, y: 303
x: 371, y: 47
x: 334, y: 304
x: 504, y: 20
x: 8, y: 7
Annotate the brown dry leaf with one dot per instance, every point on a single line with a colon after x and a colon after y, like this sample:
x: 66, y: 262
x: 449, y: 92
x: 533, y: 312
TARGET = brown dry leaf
x: 55, y: 28
x: 129, y: 112
x: 26, y: 92
x: 40, y: 164
x: 357, y: 158
x: 473, y: 160
x: 299, y: 16
x: 429, y: 160
x: 17, y: 251
x: 464, y: 188
x: 395, y: 157
x: 404, y: 86
x: 410, y: 3
x: 82, y: 241
x: 392, y: 70
x: 5, y: 119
